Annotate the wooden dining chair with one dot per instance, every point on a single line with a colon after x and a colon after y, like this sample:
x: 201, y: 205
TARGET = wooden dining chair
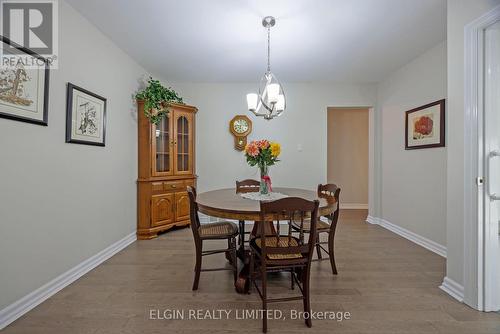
x: 245, y: 186
x: 331, y: 193
x: 211, y: 231
x: 282, y: 251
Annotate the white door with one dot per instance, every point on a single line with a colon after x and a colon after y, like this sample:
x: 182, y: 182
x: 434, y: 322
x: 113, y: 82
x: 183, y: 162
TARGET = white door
x: 492, y: 166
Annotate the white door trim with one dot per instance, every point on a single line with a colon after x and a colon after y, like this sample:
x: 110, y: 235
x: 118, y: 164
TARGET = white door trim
x: 473, y: 164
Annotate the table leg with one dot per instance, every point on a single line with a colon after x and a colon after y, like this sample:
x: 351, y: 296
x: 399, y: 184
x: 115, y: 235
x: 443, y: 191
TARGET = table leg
x: 242, y: 284
x: 242, y: 234
x: 240, y: 252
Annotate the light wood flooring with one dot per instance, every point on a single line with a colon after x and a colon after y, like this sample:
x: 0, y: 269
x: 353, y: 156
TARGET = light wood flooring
x: 387, y: 283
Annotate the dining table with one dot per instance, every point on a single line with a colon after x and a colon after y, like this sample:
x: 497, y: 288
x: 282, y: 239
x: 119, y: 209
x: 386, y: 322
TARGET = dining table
x: 229, y: 204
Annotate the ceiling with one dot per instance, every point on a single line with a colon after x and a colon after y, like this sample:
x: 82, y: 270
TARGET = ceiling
x: 314, y: 40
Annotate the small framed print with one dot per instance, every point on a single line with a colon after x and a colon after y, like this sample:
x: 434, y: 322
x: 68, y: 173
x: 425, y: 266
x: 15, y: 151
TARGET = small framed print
x: 425, y: 126
x: 24, y: 86
x: 85, y: 117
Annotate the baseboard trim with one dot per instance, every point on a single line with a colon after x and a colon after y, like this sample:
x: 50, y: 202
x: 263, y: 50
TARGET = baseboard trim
x: 371, y: 220
x: 33, y: 299
x: 354, y: 206
x: 407, y: 234
x: 453, y: 289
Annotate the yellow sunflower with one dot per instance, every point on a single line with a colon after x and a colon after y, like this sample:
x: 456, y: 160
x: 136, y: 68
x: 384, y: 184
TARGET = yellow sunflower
x: 275, y: 149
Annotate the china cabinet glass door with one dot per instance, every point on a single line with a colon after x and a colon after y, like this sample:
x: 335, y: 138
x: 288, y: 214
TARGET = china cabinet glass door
x: 183, y: 143
x: 162, y: 147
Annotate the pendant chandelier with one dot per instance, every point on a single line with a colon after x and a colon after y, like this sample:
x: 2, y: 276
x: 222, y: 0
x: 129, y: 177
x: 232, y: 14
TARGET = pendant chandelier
x: 270, y: 101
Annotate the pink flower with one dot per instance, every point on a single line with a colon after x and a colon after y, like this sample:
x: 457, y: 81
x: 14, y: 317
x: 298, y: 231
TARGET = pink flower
x: 252, y: 149
x: 263, y: 144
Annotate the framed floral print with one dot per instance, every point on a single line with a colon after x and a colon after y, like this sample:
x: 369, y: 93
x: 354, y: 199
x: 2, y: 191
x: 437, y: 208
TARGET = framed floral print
x: 85, y: 117
x: 24, y: 87
x: 425, y: 126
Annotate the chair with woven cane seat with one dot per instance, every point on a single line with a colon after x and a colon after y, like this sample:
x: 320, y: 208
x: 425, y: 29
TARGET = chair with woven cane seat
x: 332, y: 194
x: 245, y: 186
x: 282, y: 251
x: 211, y: 231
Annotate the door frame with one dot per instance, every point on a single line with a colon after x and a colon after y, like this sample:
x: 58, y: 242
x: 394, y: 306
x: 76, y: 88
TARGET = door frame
x: 474, y: 231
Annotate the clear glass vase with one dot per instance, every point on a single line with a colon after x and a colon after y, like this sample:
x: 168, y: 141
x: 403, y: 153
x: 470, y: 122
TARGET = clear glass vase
x: 264, y: 180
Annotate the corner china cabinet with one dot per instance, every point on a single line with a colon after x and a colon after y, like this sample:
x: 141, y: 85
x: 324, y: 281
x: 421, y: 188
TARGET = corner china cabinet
x: 166, y: 168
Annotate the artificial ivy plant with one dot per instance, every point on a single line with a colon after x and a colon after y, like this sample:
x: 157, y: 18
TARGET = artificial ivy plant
x: 157, y: 99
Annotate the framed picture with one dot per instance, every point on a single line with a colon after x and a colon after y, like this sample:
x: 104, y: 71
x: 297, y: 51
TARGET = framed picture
x: 425, y: 126
x: 24, y: 90
x: 85, y: 117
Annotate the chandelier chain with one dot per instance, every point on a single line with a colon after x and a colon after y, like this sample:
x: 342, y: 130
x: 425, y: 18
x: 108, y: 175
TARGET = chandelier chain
x: 268, y: 49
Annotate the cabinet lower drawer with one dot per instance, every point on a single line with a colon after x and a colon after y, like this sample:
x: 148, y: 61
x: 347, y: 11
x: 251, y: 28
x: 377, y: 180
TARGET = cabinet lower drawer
x: 157, y: 186
x: 174, y: 185
x: 160, y: 187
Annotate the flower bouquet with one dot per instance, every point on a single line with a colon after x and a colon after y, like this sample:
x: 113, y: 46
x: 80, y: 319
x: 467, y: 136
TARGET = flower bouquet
x: 263, y: 153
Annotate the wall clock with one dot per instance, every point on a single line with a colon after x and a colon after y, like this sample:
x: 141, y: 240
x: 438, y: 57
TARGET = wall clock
x: 240, y: 126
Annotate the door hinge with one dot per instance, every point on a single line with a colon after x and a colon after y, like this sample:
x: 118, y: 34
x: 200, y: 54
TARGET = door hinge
x: 479, y: 181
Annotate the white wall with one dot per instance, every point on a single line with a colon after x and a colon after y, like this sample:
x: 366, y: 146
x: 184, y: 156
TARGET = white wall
x: 62, y: 203
x: 304, y: 124
x: 460, y: 13
x: 413, y: 182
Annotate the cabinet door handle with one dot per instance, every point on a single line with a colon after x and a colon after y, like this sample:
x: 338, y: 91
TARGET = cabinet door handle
x: 493, y: 196
x: 174, y: 186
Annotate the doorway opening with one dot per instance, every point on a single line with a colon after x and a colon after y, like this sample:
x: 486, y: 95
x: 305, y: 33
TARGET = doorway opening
x: 348, y: 154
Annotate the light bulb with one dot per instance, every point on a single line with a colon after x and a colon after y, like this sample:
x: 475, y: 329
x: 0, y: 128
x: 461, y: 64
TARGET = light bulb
x: 280, y: 104
x: 273, y: 91
x: 252, y: 99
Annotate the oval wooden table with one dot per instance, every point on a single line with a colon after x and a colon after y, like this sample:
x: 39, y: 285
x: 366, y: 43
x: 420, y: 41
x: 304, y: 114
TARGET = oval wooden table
x: 227, y: 204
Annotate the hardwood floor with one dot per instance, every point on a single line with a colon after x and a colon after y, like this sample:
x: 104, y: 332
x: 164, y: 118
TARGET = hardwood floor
x: 386, y: 283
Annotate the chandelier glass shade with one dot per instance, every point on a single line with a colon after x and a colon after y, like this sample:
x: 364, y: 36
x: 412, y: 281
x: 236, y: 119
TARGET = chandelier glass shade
x: 270, y: 102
